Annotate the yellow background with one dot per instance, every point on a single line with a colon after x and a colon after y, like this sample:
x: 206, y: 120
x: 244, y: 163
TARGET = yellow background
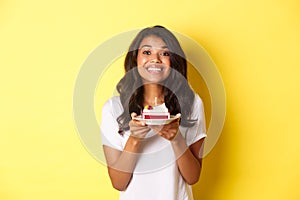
x: 255, y: 44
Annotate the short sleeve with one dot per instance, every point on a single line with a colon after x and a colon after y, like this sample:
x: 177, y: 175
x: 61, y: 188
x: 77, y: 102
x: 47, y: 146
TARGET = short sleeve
x: 198, y: 130
x: 109, y: 126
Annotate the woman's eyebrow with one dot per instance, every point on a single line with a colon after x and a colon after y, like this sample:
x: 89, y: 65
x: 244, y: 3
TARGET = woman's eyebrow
x: 146, y: 45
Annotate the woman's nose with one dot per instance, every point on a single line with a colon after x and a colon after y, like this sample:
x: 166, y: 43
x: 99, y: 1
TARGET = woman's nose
x: 155, y: 58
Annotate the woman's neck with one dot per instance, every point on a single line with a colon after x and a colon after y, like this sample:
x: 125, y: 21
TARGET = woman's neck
x: 153, y: 94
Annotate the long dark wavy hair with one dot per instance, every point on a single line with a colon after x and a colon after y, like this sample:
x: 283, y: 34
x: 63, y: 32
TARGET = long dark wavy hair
x: 178, y: 95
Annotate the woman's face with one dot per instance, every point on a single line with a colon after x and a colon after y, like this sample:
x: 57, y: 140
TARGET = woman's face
x: 153, y: 60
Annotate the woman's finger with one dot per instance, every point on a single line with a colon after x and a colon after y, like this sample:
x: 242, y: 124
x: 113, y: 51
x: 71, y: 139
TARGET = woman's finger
x: 137, y: 122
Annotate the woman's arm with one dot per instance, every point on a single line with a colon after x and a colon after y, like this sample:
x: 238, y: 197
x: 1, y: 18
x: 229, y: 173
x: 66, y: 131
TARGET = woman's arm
x: 121, y: 164
x: 189, y: 159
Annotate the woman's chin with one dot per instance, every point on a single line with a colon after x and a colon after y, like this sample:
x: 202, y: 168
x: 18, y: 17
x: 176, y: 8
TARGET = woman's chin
x: 153, y: 81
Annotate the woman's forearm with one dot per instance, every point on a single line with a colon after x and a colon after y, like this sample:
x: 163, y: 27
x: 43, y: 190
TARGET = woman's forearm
x: 121, y: 164
x: 189, y: 165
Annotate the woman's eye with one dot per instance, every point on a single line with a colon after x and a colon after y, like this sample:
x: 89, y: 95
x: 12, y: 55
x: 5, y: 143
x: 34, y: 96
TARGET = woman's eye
x: 166, y: 53
x: 147, y: 52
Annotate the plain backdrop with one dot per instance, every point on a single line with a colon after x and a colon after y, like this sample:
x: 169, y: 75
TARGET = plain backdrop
x: 255, y: 45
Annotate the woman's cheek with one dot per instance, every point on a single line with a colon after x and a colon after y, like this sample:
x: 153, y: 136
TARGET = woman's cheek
x: 141, y: 60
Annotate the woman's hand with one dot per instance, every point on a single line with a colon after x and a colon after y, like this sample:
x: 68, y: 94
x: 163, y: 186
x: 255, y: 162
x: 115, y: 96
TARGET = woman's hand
x: 138, y: 129
x: 168, y: 131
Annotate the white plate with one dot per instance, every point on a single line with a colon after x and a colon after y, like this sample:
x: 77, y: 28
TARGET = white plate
x: 156, y: 121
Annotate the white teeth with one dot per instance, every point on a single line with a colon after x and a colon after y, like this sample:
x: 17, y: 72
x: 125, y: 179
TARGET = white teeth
x: 154, y: 69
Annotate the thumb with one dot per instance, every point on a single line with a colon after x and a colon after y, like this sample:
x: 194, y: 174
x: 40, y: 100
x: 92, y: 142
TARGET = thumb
x: 178, y: 115
x: 133, y: 114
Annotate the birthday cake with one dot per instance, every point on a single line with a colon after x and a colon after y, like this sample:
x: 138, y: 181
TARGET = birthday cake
x: 156, y: 112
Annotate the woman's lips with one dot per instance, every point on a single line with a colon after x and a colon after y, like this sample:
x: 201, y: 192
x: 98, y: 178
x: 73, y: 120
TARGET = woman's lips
x: 155, y: 69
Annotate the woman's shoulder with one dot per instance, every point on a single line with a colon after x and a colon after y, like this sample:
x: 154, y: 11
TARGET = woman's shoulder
x: 197, y: 107
x: 112, y: 101
x: 113, y: 104
x: 197, y: 100
x: 115, y: 99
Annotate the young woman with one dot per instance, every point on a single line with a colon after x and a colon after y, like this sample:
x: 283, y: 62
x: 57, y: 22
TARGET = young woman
x: 155, y: 162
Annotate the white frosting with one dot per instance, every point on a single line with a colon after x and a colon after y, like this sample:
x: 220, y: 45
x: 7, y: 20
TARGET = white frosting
x: 160, y: 108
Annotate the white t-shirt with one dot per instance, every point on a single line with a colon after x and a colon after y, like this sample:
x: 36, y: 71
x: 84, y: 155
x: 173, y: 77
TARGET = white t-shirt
x: 156, y: 175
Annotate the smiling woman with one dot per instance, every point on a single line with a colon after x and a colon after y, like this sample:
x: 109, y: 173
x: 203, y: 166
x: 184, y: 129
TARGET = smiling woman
x: 150, y: 161
x: 153, y: 60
